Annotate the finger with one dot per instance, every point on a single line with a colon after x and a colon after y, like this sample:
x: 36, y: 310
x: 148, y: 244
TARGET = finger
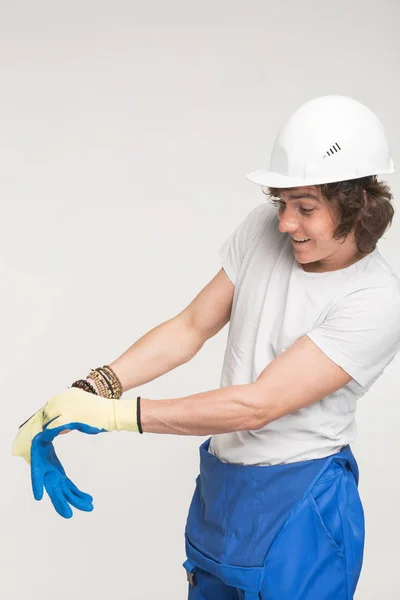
x: 64, y: 432
x: 54, y: 460
x: 53, y: 486
x: 37, y: 469
x: 37, y: 483
x: 77, y: 492
x: 81, y: 503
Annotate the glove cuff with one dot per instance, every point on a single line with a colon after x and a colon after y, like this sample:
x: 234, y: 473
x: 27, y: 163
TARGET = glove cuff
x: 126, y: 415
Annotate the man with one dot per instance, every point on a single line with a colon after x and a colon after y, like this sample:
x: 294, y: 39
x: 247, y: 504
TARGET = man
x: 314, y: 313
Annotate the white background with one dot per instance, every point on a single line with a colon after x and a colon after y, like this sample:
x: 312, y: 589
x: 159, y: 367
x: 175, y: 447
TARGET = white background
x: 126, y: 132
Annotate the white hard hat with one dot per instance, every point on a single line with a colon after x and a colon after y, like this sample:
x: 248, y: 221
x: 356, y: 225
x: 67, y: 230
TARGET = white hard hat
x: 330, y: 138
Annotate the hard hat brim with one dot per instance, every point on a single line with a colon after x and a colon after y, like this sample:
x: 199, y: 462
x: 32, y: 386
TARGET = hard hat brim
x: 267, y: 178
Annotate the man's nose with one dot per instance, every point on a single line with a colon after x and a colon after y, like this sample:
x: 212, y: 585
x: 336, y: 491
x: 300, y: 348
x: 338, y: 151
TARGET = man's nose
x: 288, y: 222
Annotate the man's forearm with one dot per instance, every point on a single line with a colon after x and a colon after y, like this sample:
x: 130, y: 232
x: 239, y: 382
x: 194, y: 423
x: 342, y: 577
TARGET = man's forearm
x: 232, y: 408
x: 162, y: 349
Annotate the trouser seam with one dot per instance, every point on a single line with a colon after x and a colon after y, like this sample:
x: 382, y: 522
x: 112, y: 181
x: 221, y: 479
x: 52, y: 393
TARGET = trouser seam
x: 344, y: 533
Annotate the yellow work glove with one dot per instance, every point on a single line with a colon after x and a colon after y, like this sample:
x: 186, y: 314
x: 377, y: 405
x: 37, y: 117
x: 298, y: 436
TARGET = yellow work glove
x: 86, y: 412
x: 26, y: 433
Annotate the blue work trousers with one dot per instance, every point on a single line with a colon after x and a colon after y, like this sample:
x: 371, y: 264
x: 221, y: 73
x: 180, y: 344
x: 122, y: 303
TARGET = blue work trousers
x: 285, y: 532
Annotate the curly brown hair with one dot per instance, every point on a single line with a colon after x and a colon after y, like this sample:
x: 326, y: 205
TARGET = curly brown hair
x: 368, y: 219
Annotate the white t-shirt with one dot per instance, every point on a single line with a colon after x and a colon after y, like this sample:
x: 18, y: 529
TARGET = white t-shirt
x: 352, y: 315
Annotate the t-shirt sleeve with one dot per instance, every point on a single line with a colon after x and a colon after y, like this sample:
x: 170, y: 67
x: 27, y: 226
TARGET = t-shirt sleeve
x: 234, y: 248
x: 361, y: 333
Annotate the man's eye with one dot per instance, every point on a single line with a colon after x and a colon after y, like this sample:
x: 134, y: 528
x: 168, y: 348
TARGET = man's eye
x: 306, y: 211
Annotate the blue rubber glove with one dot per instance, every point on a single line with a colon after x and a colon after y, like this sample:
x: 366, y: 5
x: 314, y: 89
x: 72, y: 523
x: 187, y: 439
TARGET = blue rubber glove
x: 48, y: 473
x: 85, y: 412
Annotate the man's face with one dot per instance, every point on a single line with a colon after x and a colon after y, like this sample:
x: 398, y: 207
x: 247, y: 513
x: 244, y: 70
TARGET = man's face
x: 305, y: 214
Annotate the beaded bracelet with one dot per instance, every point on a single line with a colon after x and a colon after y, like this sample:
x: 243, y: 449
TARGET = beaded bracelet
x: 107, y: 382
x: 84, y: 385
x: 114, y: 387
x: 114, y: 379
x: 103, y: 387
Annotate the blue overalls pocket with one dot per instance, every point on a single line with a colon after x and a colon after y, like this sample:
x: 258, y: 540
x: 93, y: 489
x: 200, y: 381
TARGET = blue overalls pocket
x: 272, y: 528
x: 323, y: 499
x: 247, y: 579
